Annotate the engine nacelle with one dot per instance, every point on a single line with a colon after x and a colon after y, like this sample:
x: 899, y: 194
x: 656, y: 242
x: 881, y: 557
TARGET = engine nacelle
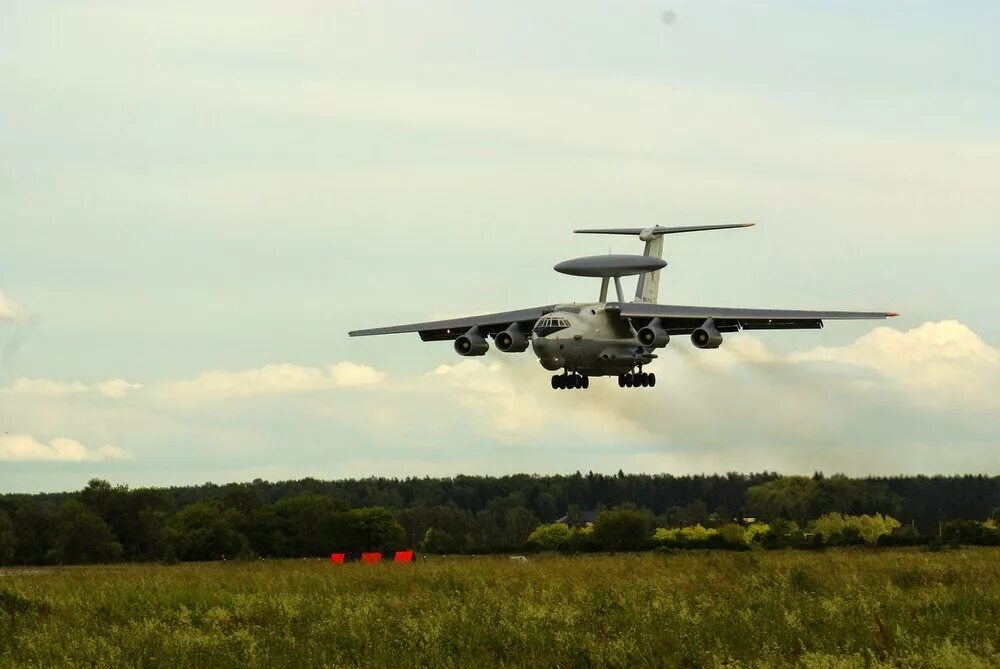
x: 707, y: 336
x: 472, y: 343
x: 511, y: 340
x: 653, y: 335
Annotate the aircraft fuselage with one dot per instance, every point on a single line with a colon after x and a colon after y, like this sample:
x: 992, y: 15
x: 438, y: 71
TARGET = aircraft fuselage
x: 589, y: 340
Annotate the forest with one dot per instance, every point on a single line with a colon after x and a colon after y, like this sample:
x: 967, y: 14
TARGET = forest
x: 486, y: 514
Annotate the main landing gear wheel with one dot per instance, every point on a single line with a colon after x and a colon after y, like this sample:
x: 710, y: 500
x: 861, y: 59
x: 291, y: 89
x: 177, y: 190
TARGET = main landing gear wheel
x: 637, y: 380
x: 570, y: 381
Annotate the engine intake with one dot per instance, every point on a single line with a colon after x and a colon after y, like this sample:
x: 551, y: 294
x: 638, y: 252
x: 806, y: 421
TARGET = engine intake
x: 707, y: 336
x: 653, y: 335
x: 511, y: 340
x: 472, y: 343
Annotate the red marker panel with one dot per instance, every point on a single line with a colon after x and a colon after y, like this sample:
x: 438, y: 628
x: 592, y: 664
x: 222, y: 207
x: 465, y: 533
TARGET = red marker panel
x: 336, y: 558
x: 404, y: 556
x: 371, y: 558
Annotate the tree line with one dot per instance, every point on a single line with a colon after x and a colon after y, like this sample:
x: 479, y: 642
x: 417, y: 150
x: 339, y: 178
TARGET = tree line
x: 310, y: 517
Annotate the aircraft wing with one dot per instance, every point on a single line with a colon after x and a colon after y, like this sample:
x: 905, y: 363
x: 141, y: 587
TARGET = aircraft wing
x: 453, y: 328
x: 685, y: 320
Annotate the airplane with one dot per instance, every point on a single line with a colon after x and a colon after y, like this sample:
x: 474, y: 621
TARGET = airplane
x: 612, y: 338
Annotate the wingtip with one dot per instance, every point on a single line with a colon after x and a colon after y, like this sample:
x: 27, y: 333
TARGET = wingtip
x: 748, y: 225
x: 891, y: 314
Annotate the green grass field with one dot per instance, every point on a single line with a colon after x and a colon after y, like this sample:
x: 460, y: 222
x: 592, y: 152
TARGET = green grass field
x: 832, y: 609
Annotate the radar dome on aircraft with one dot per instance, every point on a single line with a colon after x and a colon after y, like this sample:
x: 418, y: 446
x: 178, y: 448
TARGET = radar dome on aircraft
x: 608, y: 266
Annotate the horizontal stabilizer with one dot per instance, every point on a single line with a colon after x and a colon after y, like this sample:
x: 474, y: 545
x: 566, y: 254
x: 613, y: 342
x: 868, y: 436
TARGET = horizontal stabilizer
x: 658, y: 231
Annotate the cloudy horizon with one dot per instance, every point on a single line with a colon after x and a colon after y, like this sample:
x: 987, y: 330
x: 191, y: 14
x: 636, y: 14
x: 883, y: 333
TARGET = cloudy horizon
x: 198, y: 202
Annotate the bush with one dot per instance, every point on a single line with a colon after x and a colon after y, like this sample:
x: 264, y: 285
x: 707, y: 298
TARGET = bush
x: 755, y: 533
x: 696, y: 534
x: 667, y: 537
x: 553, y: 537
x: 622, y: 529
x: 969, y: 532
x: 782, y: 534
x: 583, y: 540
x: 693, y: 536
x: 729, y: 536
x: 902, y: 536
x: 852, y: 530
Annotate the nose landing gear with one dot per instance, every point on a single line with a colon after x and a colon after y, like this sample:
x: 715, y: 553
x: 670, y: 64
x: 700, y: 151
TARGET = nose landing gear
x: 637, y: 380
x: 570, y: 381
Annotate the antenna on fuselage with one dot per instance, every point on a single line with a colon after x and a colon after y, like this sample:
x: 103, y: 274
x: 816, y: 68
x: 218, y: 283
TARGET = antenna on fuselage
x: 648, y: 286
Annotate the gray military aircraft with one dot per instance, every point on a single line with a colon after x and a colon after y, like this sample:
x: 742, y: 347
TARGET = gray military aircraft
x: 615, y: 338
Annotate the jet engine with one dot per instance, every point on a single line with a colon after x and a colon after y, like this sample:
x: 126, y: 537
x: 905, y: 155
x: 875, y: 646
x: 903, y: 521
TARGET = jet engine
x: 472, y: 343
x: 653, y: 335
x: 511, y: 340
x: 707, y: 336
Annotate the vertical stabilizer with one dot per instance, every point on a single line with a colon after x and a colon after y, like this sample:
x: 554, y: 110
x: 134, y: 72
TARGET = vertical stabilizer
x: 648, y: 288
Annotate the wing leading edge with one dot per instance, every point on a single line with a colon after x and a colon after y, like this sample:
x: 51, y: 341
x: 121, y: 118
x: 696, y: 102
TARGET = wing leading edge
x: 453, y: 328
x: 685, y: 320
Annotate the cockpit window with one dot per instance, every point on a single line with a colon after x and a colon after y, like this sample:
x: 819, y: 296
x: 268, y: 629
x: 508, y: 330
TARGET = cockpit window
x: 549, y: 324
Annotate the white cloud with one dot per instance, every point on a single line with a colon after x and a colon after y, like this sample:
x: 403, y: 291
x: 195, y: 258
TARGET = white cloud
x: 25, y: 448
x: 115, y: 388
x: 10, y: 311
x: 279, y: 379
x: 351, y: 374
x: 112, y: 388
x: 939, y: 362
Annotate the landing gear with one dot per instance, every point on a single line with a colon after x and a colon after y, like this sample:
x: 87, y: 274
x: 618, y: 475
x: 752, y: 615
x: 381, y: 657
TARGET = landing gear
x: 637, y: 380
x: 570, y: 381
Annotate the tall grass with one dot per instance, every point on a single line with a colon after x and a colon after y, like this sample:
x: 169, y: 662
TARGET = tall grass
x: 837, y: 608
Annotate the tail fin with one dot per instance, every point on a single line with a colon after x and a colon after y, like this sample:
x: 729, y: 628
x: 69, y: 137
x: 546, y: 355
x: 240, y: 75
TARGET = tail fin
x: 649, y: 284
x: 648, y: 287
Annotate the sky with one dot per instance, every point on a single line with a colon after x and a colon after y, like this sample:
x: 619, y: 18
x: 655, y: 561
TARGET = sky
x: 199, y: 199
